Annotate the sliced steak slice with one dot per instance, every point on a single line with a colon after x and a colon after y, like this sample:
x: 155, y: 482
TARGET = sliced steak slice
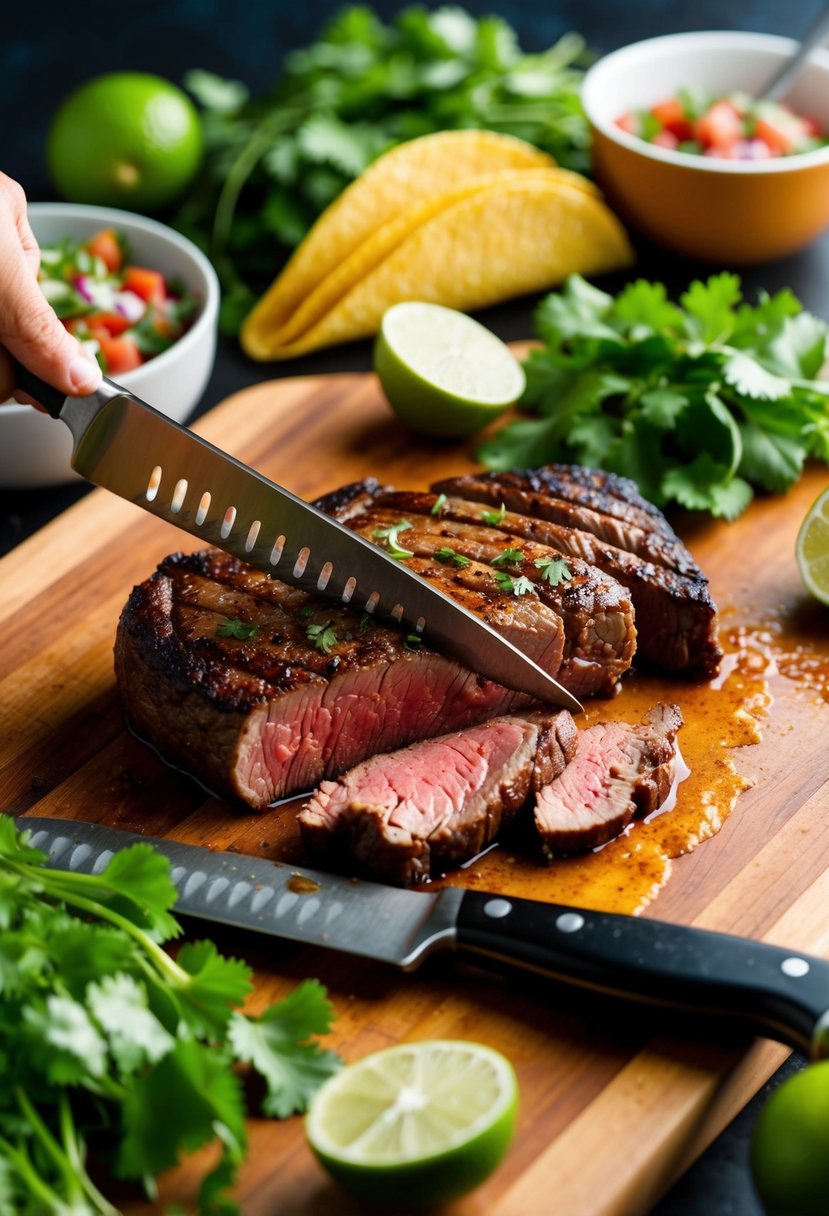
x: 597, y: 616
x: 618, y: 771
x: 267, y: 715
x: 676, y: 619
x: 403, y: 816
x: 540, y: 496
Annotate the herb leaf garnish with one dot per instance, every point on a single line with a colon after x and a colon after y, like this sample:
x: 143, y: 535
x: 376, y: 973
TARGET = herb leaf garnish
x: 700, y: 402
x: 234, y: 628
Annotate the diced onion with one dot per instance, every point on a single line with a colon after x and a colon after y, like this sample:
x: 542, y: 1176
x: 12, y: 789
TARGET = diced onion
x: 130, y: 306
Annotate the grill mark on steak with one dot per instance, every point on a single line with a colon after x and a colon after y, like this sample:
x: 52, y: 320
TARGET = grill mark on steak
x: 403, y: 816
x: 542, y: 497
x: 618, y: 771
x: 269, y: 716
x: 676, y: 619
x: 599, y: 633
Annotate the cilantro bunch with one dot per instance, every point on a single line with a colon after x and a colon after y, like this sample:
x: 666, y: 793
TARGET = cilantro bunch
x: 110, y: 1047
x: 700, y: 402
x: 274, y: 163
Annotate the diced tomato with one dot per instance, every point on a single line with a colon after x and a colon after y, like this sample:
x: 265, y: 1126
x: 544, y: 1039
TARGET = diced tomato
x: 630, y: 122
x: 720, y: 127
x: 148, y: 284
x: 121, y: 354
x: 671, y: 116
x: 665, y: 139
x: 112, y: 322
x: 812, y: 126
x: 104, y: 245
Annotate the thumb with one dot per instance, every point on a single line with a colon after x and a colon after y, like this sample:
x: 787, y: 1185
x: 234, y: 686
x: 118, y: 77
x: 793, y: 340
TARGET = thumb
x: 32, y: 333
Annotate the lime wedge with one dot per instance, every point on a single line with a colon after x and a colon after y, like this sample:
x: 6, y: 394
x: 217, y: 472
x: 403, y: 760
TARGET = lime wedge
x: 443, y: 373
x: 812, y: 548
x: 420, y: 1123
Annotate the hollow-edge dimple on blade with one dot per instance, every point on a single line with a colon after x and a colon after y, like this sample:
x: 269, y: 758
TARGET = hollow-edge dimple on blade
x: 318, y: 909
x: 128, y: 447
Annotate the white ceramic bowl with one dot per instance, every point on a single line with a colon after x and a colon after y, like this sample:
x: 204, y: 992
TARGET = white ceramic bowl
x: 729, y: 212
x: 35, y: 449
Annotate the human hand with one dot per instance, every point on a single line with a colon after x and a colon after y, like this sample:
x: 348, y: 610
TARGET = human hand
x: 29, y: 329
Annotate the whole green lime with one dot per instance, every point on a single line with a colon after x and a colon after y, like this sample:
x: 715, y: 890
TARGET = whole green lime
x: 125, y: 139
x: 790, y: 1147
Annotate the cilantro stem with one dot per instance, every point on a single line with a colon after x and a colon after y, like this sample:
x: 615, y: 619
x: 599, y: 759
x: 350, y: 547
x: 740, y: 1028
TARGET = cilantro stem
x: 240, y: 171
x: 37, y: 1187
x: 60, y: 885
x: 50, y: 1144
x: 75, y: 1154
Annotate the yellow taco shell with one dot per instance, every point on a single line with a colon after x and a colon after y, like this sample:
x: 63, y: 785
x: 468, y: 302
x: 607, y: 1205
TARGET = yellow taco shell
x: 260, y: 342
x: 523, y: 233
x: 395, y: 182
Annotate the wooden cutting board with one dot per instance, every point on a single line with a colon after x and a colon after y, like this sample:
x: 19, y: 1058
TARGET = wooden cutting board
x: 616, y: 1101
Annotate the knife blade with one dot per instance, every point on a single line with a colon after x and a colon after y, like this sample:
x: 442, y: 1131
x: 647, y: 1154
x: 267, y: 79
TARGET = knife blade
x: 780, y: 993
x: 126, y: 446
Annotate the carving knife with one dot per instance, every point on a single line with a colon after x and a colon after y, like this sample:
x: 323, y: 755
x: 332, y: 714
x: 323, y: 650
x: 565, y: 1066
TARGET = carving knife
x: 779, y: 993
x: 123, y: 444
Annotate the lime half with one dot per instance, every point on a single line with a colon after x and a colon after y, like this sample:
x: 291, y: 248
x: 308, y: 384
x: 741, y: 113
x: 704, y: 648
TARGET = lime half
x: 417, y: 1124
x: 443, y: 373
x: 812, y: 548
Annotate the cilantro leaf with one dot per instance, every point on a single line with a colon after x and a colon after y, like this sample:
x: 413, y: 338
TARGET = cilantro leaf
x: 177, y: 1107
x: 508, y: 557
x: 646, y: 305
x: 710, y: 307
x: 554, y: 570
x: 277, y: 1046
x: 214, y: 986
x: 323, y: 636
x: 772, y: 461
x: 678, y: 397
x: 234, y: 628
x: 751, y: 379
x: 118, y: 1003
x: 445, y: 554
x: 515, y: 586
x: 101, y: 1029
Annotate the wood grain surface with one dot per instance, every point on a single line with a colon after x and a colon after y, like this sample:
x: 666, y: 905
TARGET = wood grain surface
x: 616, y: 1100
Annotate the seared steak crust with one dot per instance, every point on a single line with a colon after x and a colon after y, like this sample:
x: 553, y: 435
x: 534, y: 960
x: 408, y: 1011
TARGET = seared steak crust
x: 403, y: 816
x: 676, y: 619
x: 541, y: 494
x: 270, y: 715
x: 618, y: 772
x: 598, y: 630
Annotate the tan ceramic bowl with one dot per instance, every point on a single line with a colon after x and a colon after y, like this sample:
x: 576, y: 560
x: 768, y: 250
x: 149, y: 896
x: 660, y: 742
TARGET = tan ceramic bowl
x: 730, y: 212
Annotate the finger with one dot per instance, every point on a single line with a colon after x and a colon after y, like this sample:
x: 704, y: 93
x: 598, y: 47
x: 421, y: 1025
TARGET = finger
x: 30, y: 246
x: 6, y: 377
x: 32, y: 333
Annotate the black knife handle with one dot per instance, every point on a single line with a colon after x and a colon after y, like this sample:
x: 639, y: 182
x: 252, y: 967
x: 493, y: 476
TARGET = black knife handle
x: 52, y: 399
x: 779, y: 993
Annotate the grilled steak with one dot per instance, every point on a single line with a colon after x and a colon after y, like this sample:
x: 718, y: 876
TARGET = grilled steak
x: 597, y: 616
x: 270, y: 714
x: 618, y: 771
x: 599, y: 637
x: 621, y: 517
x: 439, y: 802
x: 676, y: 619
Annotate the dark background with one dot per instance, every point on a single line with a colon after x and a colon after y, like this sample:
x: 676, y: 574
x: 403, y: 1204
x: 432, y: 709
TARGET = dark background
x: 49, y: 47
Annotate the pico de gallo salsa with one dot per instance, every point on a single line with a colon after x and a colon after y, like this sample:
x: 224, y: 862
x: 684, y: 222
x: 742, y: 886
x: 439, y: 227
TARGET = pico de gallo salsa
x: 735, y: 127
x: 123, y: 314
